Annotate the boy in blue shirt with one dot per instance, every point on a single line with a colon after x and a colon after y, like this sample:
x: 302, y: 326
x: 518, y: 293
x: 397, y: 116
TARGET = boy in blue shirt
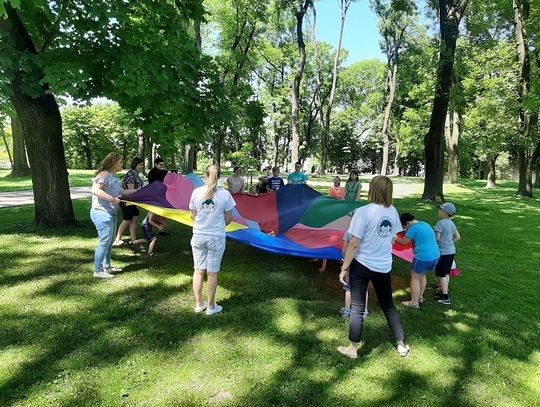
x: 426, y: 255
x: 447, y: 234
x: 275, y: 181
x: 297, y: 177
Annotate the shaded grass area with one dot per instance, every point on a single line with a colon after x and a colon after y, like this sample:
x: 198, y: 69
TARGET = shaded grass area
x: 68, y: 339
x: 77, y: 178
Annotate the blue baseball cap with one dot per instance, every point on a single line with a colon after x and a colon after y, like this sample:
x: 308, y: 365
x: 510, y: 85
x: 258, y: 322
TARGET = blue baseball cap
x: 449, y: 208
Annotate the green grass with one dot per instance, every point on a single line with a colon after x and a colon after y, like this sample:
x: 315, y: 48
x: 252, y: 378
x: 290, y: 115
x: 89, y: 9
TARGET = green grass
x: 77, y: 178
x: 68, y: 339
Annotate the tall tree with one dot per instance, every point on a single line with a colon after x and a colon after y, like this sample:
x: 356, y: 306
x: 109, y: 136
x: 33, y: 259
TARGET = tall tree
x: 41, y: 124
x: 395, y: 16
x: 450, y: 15
x: 343, y: 7
x: 20, y: 162
x: 300, y: 8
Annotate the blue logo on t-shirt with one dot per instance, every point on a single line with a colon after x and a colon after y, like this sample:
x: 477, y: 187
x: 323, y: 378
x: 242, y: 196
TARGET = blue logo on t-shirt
x: 384, y: 227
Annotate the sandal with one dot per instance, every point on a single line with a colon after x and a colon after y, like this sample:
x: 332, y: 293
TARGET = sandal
x: 403, y: 350
x: 409, y: 304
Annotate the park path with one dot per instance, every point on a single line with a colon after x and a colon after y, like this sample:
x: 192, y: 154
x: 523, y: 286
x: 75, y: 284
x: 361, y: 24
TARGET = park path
x: 26, y: 197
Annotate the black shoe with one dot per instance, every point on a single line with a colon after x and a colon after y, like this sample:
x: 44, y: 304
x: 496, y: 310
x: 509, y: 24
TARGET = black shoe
x: 164, y: 233
x: 444, y: 300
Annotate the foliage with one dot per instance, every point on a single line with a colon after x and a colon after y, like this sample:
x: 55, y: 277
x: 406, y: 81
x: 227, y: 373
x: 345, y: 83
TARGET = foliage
x: 91, y: 132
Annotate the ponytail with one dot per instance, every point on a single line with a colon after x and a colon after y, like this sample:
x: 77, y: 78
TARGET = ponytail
x: 212, y: 176
x: 109, y: 162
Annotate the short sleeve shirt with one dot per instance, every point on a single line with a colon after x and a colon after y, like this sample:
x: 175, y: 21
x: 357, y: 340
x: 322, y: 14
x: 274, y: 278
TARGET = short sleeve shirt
x: 424, y: 242
x: 447, y: 229
x: 111, y: 186
x: 210, y: 219
x: 336, y: 192
x: 375, y: 226
x: 274, y: 183
x: 297, y: 178
x: 351, y: 190
x: 132, y: 177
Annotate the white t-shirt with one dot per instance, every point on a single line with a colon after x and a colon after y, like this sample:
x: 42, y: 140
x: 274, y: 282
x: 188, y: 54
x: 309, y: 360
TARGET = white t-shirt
x: 210, y: 219
x: 376, y: 227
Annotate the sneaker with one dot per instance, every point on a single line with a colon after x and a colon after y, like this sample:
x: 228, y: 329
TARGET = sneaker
x: 118, y: 243
x: 102, y: 274
x: 201, y: 308
x: 345, y: 313
x: 409, y: 304
x: 112, y: 270
x: 216, y: 310
x: 445, y: 301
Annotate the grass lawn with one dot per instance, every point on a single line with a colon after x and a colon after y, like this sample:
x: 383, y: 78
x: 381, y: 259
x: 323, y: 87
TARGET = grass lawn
x: 77, y: 178
x: 71, y: 340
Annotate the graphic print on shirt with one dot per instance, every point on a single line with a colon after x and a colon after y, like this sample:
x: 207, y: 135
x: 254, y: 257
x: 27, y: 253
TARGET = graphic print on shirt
x: 208, y: 206
x: 384, y: 227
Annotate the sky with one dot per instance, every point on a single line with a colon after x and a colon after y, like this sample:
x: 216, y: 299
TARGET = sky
x: 361, y: 34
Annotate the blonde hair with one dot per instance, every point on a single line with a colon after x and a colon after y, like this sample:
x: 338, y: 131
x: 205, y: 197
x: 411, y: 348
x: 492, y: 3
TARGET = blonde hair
x: 109, y: 162
x: 212, y: 176
x: 380, y: 190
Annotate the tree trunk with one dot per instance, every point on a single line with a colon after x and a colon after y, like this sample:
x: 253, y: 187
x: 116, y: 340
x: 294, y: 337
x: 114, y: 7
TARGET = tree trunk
x: 491, y: 178
x: 396, y: 171
x: 189, y: 158
x: 218, y: 145
x: 521, y: 14
x: 391, y: 81
x: 42, y: 128
x: 344, y: 6
x: 141, y: 146
x: 295, y: 96
x: 87, y: 152
x: 433, y: 147
x: 452, y: 140
x: 20, y: 161
x: 7, y: 149
x: 537, y: 176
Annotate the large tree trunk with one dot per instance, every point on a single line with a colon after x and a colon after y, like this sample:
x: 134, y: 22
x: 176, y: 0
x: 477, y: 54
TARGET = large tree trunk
x: 521, y: 14
x: 537, y: 175
x: 42, y: 128
x: 20, y: 161
x: 452, y: 140
x: 491, y: 178
x: 391, y: 82
x: 189, y: 158
x: 295, y: 96
x: 7, y: 147
x: 87, y: 152
x: 433, y: 146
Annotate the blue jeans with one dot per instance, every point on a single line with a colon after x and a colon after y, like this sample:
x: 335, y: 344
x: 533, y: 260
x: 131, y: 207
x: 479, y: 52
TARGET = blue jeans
x: 106, y: 228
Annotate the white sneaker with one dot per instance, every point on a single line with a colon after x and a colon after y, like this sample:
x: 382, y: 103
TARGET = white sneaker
x: 112, y: 270
x: 201, y: 308
x: 118, y: 243
x: 102, y: 274
x: 216, y: 310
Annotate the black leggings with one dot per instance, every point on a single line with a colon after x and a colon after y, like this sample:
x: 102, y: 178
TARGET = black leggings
x: 359, y: 278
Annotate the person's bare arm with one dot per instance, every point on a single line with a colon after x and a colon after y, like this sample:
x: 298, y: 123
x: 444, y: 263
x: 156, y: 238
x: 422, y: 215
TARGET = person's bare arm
x: 403, y: 240
x: 457, y: 236
x: 97, y: 190
x: 228, y: 217
x: 352, y: 249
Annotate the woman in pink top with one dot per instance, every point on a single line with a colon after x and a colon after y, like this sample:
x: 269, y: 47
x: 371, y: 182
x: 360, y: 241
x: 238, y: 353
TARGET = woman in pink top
x: 336, y: 191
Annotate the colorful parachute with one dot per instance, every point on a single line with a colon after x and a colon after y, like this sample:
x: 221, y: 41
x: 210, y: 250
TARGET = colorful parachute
x: 296, y: 220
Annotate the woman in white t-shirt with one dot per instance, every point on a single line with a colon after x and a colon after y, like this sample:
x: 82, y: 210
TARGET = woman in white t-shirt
x: 369, y: 258
x: 211, y: 209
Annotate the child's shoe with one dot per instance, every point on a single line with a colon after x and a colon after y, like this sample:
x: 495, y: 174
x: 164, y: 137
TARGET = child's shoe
x: 444, y: 299
x: 345, y: 313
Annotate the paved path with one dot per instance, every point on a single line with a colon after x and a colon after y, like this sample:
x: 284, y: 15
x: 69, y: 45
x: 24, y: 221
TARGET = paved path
x: 19, y: 198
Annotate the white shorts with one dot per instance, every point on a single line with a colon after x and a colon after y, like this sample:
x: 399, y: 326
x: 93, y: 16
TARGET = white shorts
x: 207, y: 252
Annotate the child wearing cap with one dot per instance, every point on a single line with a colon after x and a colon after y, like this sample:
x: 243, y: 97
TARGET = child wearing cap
x: 446, y: 234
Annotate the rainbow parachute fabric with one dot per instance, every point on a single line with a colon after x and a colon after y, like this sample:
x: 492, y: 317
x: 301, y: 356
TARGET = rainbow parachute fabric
x: 295, y: 220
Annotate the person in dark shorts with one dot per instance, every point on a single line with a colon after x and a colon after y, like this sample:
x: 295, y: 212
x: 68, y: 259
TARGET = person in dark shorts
x: 150, y: 222
x: 446, y: 234
x: 130, y: 213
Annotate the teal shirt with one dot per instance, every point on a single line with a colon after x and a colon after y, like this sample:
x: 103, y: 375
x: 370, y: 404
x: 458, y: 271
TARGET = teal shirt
x: 425, y: 245
x: 297, y: 178
x: 351, y: 190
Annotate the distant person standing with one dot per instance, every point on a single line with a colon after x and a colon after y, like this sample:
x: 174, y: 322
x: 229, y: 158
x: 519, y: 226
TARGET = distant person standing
x: 211, y: 209
x: 236, y: 182
x: 157, y: 173
x: 275, y: 181
x: 353, y: 187
x: 297, y: 177
x: 106, y: 190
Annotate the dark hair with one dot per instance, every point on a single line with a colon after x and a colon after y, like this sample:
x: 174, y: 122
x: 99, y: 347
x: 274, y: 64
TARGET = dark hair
x: 297, y: 163
x: 136, y: 161
x: 236, y: 168
x: 406, y: 218
x: 159, y: 160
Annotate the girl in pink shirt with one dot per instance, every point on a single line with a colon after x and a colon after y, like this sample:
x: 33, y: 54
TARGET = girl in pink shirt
x: 336, y: 191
